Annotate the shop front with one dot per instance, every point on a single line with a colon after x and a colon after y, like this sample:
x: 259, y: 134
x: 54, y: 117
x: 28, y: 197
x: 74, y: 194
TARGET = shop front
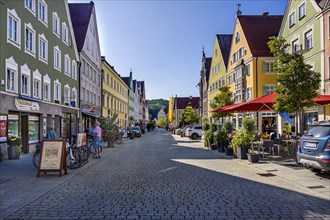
x: 89, y: 114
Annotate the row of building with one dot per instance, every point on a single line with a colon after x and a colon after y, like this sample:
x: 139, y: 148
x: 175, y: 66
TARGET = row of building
x: 53, y: 75
x: 242, y: 59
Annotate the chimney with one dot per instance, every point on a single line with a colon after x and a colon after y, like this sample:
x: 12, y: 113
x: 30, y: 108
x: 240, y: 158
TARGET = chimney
x: 265, y: 13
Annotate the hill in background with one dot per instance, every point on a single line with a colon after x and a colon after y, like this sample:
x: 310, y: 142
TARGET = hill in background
x: 155, y: 105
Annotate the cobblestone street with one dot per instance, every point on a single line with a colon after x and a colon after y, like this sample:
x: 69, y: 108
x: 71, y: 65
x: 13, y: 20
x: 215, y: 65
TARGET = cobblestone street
x: 159, y: 177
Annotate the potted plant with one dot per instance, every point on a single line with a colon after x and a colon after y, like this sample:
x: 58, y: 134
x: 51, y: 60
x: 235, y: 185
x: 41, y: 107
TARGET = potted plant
x: 110, y: 129
x: 14, y: 147
x: 209, y: 139
x: 243, y: 138
x: 221, y: 139
x: 228, y: 128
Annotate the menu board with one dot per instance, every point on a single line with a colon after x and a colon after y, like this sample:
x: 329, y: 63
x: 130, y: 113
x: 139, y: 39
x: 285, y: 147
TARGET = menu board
x: 52, y: 157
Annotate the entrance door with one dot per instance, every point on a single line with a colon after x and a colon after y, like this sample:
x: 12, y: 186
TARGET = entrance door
x: 25, y: 132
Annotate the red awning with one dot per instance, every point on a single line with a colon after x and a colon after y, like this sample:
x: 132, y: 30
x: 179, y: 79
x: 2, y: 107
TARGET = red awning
x: 263, y: 103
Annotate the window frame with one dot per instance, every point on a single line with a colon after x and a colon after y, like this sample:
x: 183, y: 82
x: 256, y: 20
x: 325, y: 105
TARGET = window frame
x: 56, y: 31
x: 292, y: 19
x: 43, y: 39
x: 44, y: 19
x: 12, y: 66
x: 32, y: 51
x: 67, y: 94
x: 26, y: 72
x: 301, y: 16
x: 74, y: 70
x: 57, y: 60
x: 67, y: 65
x: 306, y: 40
x: 74, y: 96
x: 65, y: 33
x: 57, y: 84
x: 11, y: 14
x: 33, y: 6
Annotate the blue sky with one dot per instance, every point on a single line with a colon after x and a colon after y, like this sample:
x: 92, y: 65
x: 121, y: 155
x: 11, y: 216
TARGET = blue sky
x: 161, y: 41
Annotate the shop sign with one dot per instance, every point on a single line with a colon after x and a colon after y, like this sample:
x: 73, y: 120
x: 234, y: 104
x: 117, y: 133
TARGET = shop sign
x: 88, y: 108
x: 81, y: 139
x: 25, y: 105
x: 3, y: 128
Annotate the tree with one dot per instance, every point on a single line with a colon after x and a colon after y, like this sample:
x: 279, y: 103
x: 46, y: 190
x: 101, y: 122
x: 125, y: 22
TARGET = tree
x: 162, y: 122
x: 189, y: 115
x: 297, y: 83
x: 223, y: 98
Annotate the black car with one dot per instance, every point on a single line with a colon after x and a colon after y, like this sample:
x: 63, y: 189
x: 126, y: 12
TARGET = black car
x: 136, y: 131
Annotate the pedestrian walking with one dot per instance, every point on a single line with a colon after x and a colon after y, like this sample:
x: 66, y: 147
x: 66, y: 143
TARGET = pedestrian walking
x: 97, y: 138
x: 51, y: 134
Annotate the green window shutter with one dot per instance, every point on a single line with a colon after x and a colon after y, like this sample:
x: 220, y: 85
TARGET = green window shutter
x: 264, y: 90
x: 264, y: 67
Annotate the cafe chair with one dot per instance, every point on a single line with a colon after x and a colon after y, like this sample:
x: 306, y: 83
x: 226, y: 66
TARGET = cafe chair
x: 268, y: 147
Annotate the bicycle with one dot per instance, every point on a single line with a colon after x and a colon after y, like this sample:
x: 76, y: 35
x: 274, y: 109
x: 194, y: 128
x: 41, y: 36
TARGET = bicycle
x: 91, y: 148
x: 73, y: 155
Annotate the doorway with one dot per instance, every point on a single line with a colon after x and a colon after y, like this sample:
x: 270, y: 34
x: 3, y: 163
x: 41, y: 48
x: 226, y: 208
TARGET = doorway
x: 25, y: 132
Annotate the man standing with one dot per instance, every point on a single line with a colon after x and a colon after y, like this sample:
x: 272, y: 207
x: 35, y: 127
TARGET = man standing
x: 97, y: 138
x: 51, y: 135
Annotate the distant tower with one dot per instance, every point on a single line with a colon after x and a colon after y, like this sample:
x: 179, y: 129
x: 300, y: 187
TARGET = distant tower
x: 238, y: 12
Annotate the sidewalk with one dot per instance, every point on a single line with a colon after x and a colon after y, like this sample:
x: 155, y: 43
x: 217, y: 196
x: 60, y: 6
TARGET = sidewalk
x: 305, y: 180
x: 19, y: 184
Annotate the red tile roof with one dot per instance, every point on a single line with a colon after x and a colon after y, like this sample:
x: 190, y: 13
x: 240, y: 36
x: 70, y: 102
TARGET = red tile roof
x: 257, y: 30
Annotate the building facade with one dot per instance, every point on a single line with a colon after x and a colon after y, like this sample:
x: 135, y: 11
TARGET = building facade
x: 39, y: 71
x: 303, y: 27
x: 115, y: 97
x: 129, y: 82
x: 86, y: 34
x: 180, y: 104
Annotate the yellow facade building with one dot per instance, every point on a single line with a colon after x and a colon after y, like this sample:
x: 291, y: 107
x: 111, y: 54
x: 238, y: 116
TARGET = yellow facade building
x: 115, y: 95
x: 250, y: 71
x: 218, y: 69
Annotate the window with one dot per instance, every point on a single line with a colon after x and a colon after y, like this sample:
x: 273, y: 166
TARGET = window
x: 74, y: 97
x: 292, y: 19
x: 56, y: 24
x: 267, y: 89
x: 13, y: 28
x: 25, y: 84
x: 230, y: 79
x: 248, y: 93
x: 268, y: 67
x: 65, y: 36
x: 57, y: 58
x: 238, y: 73
x: 309, y: 40
x: 74, y: 70
x: 66, y: 94
x: 46, y: 91
x: 240, y: 52
x: 67, y: 65
x: 11, y: 82
x: 223, y: 81
x: 57, y: 91
x: 237, y: 38
x: 42, y: 11
x: 43, y: 48
x: 295, y: 46
x: 216, y: 52
x: 30, y: 5
x: 29, y: 39
x: 87, y: 96
x: 302, y: 11
x: 83, y: 94
x: 36, y: 88
x: 247, y: 69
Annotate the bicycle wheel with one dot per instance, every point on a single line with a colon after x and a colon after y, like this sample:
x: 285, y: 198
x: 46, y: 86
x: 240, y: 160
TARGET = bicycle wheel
x: 74, y: 161
x: 36, y: 158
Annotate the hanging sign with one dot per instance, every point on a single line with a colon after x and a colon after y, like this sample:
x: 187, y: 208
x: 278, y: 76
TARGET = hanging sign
x: 25, y: 105
x: 52, y: 157
x: 81, y: 139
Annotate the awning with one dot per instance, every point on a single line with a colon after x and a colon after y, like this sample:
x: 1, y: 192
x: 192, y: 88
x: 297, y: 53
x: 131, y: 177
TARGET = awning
x: 263, y: 103
x: 91, y: 114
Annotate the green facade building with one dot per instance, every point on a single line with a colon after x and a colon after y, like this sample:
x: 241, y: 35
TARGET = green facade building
x: 38, y: 71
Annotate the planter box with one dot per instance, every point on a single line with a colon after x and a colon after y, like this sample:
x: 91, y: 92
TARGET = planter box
x: 253, y: 158
x: 242, y: 153
x: 13, y: 154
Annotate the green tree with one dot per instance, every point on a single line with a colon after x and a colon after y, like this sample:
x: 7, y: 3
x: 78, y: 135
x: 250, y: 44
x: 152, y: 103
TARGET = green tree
x: 189, y: 115
x: 223, y: 98
x: 162, y: 122
x: 297, y: 83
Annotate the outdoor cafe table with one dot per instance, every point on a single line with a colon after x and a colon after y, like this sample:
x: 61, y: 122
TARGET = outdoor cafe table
x: 291, y: 144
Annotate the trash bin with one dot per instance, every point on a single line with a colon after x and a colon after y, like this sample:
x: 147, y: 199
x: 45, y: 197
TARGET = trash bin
x: 131, y: 135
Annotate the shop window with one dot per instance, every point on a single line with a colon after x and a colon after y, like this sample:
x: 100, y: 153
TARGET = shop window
x: 13, y: 126
x: 33, y: 129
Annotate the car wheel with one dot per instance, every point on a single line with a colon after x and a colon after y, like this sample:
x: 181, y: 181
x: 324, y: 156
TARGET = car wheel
x: 194, y: 136
x: 315, y: 170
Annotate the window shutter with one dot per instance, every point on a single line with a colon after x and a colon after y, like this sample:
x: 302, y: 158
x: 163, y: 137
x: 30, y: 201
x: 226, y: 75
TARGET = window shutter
x: 264, y: 88
x: 264, y: 67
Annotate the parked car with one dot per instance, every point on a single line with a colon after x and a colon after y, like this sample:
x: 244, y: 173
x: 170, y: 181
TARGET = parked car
x: 136, y: 131
x: 314, y: 147
x: 194, y: 132
x: 183, y: 131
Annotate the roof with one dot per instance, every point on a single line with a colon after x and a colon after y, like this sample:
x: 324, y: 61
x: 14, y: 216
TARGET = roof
x: 80, y: 17
x: 208, y: 67
x: 183, y: 102
x: 126, y: 80
x: 134, y: 85
x: 224, y: 41
x: 257, y: 30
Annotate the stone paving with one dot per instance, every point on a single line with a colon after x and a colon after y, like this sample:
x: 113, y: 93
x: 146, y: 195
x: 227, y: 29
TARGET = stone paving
x: 160, y: 176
